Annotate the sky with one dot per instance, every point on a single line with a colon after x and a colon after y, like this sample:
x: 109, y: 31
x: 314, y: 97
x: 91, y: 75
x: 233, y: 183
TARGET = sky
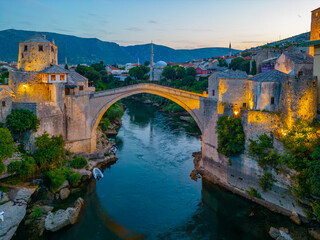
x: 180, y: 24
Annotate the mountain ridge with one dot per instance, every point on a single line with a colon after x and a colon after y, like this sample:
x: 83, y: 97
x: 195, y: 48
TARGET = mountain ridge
x: 92, y: 50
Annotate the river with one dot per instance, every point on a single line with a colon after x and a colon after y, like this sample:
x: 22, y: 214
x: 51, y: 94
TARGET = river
x: 148, y: 193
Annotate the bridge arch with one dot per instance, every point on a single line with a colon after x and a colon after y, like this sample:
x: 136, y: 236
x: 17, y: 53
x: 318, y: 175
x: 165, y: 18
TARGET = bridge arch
x: 102, y: 101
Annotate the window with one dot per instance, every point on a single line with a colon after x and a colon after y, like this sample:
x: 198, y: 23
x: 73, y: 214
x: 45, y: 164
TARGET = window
x: 25, y: 48
x: 317, y: 14
x: 300, y: 73
x: 3, y: 103
x: 244, y: 105
x: 212, y: 92
x: 40, y: 48
x: 62, y: 77
x: 272, y: 100
x: 52, y: 50
x: 81, y: 88
x: 53, y: 77
x: 21, y: 55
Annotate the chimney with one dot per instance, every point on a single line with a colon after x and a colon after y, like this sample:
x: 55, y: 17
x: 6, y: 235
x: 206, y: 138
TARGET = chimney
x: 44, y: 36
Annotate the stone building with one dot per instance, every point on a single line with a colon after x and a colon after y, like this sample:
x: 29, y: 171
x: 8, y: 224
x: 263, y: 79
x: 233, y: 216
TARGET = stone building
x: 41, y: 86
x: 295, y: 63
x: 37, y: 53
x: 158, y: 69
x: 263, y: 54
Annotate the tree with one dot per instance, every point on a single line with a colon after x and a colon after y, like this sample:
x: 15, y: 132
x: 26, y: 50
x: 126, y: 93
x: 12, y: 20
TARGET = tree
x: 146, y: 63
x: 21, y: 120
x: 240, y: 64
x: 230, y: 136
x: 66, y: 67
x: 93, y: 75
x: 50, y: 151
x: 180, y: 72
x: 98, y: 66
x: 254, y: 68
x: 169, y: 73
x: 191, y: 71
x: 6, y: 144
x: 222, y: 63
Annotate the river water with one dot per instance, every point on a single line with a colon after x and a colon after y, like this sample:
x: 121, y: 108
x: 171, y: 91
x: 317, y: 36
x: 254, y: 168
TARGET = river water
x: 148, y: 193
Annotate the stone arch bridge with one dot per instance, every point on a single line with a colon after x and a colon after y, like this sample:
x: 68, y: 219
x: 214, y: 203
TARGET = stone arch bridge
x: 82, y: 113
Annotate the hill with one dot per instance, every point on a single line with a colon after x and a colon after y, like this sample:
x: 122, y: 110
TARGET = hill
x: 92, y: 50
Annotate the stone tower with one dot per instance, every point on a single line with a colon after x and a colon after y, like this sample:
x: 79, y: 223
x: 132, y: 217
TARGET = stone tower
x: 37, y: 53
x: 230, y: 49
x: 315, y: 28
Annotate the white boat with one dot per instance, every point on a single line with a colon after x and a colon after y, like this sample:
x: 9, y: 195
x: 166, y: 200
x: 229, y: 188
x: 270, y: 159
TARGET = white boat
x: 97, y: 174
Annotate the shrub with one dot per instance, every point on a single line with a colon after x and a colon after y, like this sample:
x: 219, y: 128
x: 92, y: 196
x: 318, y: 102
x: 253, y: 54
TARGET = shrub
x: 78, y: 162
x: 57, y: 177
x: 75, y: 178
x: 50, y: 151
x: 36, y: 212
x: 230, y: 136
x: 21, y: 120
x: 114, y: 112
x: 266, y: 181
x: 6, y: 143
x: 253, y: 192
x: 2, y: 167
x: 14, y: 167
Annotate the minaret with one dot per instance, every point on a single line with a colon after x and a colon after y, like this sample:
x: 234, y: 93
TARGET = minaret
x: 230, y: 49
x: 151, y: 62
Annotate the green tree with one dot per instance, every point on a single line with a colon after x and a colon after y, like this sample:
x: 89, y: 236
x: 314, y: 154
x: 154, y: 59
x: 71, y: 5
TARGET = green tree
x: 57, y: 177
x: 146, y: 63
x: 66, y: 67
x: 6, y: 144
x: 21, y: 120
x: 180, y: 72
x: 93, y: 75
x: 50, y: 151
x: 222, y: 63
x: 191, y: 71
x: 169, y: 73
x: 230, y: 136
x: 254, y: 68
x: 99, y: 66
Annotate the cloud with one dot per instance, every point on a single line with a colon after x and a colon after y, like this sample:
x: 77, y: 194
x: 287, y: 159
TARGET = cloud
x: 133, y: 29
x: 194, y: 30
x: 152, y: 21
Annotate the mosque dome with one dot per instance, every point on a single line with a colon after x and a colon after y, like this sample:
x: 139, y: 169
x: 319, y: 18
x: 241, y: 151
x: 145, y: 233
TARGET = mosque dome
x: 161, y: 63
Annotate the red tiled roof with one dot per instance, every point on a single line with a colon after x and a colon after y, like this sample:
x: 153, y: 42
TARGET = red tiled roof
x: 113, y: 68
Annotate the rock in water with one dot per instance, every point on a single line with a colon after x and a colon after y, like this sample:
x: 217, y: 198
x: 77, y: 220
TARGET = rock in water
x: 14, y: 212
x: 295, y: 218
x: 64, y: 193
x: 274, y: 233
x: 315, y: 233
x: 63, y: 218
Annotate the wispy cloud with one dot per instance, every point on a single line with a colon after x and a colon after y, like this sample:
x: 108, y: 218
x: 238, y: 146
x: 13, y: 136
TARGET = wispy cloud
x: 133, y: 29
x: 152, y: 21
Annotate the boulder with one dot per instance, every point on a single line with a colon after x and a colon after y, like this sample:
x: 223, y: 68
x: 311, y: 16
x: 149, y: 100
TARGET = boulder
x: 63, y: 218
x: 55, y: 222
x: 185, y: 118
x: 315, y: 233
x: 64, y: 193
x: 274, y: 233
x: 148, y: 101
x: 64, y: 185
x: 14, y: 211
x: 295, y: 218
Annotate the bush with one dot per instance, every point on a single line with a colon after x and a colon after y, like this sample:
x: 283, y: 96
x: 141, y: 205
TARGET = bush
x: 75, y: 178
x: 14, y: 167
x: 114, y: 112
x: 21, y: 120
x: 266, y: 181
x: 253, y: 192
x: 230, y: 136
x: 6, y: 143
x: 36, y: 212
x: 58, y: 177
x: 78, y: 162
x: 2, y: 167
x: 50, y: 151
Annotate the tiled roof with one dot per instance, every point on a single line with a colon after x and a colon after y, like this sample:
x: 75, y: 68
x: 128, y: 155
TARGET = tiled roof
x: 232, y: 74
x: 299, y: 57
x: 55, y: 69
x: 76, y: 77
x: 113, y: 68
x: 36, y: 38
x: 269, y: 76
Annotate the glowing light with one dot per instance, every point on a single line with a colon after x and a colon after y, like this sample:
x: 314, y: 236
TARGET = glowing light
x: 236, y: 113
x: 24, y: 85
x: 283, y: 132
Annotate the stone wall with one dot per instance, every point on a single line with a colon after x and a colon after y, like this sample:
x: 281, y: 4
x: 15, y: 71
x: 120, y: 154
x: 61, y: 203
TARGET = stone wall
x: 28, y: 87
x: 5, y: 105
x: 298, y: 99
x: 256, y: 123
